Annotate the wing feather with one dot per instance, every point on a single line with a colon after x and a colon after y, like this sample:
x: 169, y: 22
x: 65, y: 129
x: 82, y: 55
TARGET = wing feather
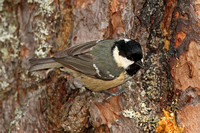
x: 76, y: 50
x: 78, y: 58
x: 77, y: 64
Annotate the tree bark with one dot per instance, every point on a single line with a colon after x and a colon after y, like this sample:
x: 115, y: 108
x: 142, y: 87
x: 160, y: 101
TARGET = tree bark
x: 47, y: 101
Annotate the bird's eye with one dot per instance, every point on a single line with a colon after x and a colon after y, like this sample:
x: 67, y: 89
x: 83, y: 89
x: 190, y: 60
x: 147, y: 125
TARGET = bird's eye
x: 130, y: 57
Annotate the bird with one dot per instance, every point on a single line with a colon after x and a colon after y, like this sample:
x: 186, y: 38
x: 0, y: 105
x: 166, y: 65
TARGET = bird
x: 99, y: 65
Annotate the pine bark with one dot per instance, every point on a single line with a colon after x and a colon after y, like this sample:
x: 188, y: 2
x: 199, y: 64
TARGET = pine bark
x: 47, y: 101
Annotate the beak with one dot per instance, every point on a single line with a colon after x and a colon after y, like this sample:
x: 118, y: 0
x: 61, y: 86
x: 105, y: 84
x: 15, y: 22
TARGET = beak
x: 139, y: 63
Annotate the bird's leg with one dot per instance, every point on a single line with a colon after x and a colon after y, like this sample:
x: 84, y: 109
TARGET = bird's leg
x: 112, y: 94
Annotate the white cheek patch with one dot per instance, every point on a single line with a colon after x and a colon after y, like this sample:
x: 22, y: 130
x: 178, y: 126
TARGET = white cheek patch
x: 120, y: 60
x: 125, y: 62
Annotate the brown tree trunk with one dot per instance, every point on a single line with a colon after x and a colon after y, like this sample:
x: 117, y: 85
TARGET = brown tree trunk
x: 45, y: 101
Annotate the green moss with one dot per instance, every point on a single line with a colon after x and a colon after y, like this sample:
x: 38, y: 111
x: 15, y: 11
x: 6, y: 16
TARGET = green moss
x: 18, y: 116
x: 3, y: 85
x: 130, y: 113
x: 1, y: 5
x: 46, y: 6
x: 44, y: 28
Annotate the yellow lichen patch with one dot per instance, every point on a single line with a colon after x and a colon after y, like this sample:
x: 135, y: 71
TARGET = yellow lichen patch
x: 169, y: 8
x: 165, y: 40
x: 166, y: 43
x: 168, y: 124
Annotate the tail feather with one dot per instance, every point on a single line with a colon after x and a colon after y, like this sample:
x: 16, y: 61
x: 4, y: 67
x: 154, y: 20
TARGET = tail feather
x: 43, y: 63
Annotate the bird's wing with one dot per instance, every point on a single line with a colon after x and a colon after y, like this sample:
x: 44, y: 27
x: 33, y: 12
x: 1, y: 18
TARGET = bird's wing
x: 79, y: 58
x: 76, y: 50
x: 79, y: 63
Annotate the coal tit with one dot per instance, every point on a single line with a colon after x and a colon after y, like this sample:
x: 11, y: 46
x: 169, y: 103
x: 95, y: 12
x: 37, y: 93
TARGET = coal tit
x: 98, y: 65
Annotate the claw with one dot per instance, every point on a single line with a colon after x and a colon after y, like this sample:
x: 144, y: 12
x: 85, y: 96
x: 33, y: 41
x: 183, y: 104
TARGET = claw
x: 112, y: 94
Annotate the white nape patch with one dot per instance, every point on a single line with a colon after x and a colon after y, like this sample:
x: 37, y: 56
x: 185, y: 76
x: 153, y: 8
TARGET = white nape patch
x: 97, y: 70
x: 120, y: 60
x: 126, y: 40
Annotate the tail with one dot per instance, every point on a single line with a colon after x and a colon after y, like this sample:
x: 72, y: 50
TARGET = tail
x: 43, y: 63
